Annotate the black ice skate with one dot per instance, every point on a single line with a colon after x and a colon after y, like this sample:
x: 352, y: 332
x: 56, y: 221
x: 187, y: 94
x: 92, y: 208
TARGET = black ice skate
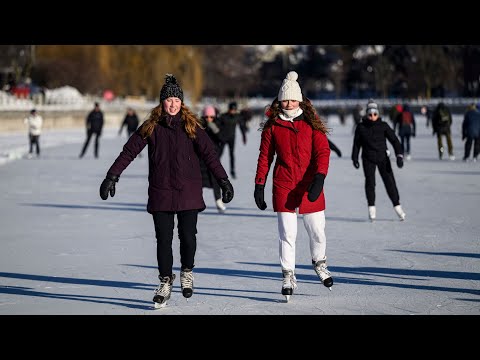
x: 289, y: 283
x: 320, y: 268
x: 163, y: 292
x: 186, y: 282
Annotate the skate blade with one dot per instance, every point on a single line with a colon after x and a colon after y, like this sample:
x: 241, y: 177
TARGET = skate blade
x: 159, y: 305
x: 330, y: 288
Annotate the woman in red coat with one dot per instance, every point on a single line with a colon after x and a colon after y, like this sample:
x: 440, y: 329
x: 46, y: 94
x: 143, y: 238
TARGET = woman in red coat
x: 297, y: 136
x: 176, y: 142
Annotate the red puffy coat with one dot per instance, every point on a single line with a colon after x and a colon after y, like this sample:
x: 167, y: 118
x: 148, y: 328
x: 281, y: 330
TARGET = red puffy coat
x: 301, y: 153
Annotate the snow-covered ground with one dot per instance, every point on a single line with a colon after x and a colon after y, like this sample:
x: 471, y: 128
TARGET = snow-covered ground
x: 65, y: 251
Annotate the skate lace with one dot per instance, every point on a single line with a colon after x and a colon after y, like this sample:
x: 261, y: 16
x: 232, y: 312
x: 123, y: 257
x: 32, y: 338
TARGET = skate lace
x: 289, y: 280
x: 322, y: 271
x: 186, y: 279
x: 165, y: 287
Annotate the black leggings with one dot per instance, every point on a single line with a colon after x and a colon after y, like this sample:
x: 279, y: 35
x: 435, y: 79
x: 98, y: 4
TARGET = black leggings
x: 386, y: 172
x: 187, y: 230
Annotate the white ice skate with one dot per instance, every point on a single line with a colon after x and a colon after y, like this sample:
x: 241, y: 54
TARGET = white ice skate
x: 320, y: 268
x: 372, y: 213
x: 186, y: 283
x: 289, y: 284
x: 220, y: 206
x: 401, y: 214
x: 163, y: 292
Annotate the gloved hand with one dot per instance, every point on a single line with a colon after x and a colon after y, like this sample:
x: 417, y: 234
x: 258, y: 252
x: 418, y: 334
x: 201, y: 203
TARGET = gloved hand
x: 108, y: 186
x: 356, y: 164
x: 400, y: 161
x: 316, y: 187
x: 259, y: 195
x: 227, y: 190
x: 413, y: 134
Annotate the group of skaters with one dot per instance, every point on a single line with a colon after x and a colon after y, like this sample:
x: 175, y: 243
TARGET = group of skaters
x: 184, y: 151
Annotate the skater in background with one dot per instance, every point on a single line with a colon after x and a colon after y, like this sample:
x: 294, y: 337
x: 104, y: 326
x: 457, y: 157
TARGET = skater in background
x: 209, y: 115
x: 130, y: 121
x: 35, y: 123
x: 296, y: 135
x: 228, y: 123
x: 357, y: 114
x: 441, y: 124
x: 371, y: 137
x: 471, y: 132
x: 405, y: 122
x: 176, y: 141
x: 94, y: 126
x: 425, y: 110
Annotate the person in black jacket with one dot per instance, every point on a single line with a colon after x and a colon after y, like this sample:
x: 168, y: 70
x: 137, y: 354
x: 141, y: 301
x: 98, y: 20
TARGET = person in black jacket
x: 130, y: 121
x: 370, y: 136
x: 94, y: 125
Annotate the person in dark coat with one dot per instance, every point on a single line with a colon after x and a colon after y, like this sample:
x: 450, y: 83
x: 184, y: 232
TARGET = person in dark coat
x: 209, y: 115
x: 130, y: 121
x: 228, y: 123
x: 471, y: 132
x: 405, y: 122
x: 94, y: 125
x: 371, y: 137
x: 176, y: 141
x: 441, y: 124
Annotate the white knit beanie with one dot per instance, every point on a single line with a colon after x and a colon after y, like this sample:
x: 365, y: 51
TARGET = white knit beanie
x: 290, y: 89
x: 372, y: 106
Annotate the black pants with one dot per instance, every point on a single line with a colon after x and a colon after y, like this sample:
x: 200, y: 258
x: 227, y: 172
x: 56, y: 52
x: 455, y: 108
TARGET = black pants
x: 231, y: 150
x: 468, y: 147
x: 187, y: 230
x: 405, y: 140
x: 34, y: 141
x: 386, y: 172
x: 87, y: 141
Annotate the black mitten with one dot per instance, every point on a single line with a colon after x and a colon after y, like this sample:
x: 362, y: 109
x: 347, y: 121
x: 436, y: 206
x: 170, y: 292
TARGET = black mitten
x: 400, y: 161
x: 259, y: 196
x: 227, y: 190
x: 356, y: 164
x: 316, y: 187
x: 108, y: 186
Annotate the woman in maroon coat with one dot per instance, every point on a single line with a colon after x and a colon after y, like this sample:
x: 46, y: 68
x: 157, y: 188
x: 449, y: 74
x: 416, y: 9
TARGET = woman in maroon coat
x: 176, y: 142
x: 297, y: 136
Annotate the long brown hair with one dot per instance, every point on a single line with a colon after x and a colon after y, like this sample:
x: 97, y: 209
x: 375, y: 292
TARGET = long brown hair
x: 157, y: 115
x: 310, y: 115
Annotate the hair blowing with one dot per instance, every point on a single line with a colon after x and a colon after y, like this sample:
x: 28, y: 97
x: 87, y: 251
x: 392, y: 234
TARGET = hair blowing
x: 157, y: 116
x: 310, y: 115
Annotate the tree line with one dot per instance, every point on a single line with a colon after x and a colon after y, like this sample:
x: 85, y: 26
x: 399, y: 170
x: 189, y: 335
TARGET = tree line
x: 226, y: 71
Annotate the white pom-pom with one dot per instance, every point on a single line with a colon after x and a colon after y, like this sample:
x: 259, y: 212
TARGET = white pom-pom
x: 292, y: 75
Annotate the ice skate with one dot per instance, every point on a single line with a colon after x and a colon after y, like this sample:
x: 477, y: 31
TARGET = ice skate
x: 289, y: 284
x: 372, y: 213
x: 163, y: 292
x: 220, y: 206
x: 320, y: 268
x: 401, y: 214
x: 186, y: 282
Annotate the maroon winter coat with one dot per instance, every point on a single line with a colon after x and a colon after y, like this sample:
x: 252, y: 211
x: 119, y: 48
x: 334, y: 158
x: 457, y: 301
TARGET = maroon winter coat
x: 301, y: 152
x: 174, y: 176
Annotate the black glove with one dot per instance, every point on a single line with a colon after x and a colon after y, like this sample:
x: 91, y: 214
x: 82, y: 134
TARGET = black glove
x: 227, y: 190
x: 400, y: 161
x: 108, y: 186
x: 316, y: 187
x: 259, y: 196
x: 413, y: 134
x: 356, y: 164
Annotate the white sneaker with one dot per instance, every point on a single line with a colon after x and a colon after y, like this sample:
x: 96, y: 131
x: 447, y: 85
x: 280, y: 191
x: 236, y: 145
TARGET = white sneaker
x: 372, y: 213
x: 409, y: 157
x: 220, y: 206
x: 401, y: 214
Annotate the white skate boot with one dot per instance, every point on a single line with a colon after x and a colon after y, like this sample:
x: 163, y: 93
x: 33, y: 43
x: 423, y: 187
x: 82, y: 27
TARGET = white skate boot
x: 289, y: 283
x: 401, y: 214
x: 320, y: 268
x: 186, y: 282
x: 220, y: 206
x: 372, y: 213
x: 163, y: 292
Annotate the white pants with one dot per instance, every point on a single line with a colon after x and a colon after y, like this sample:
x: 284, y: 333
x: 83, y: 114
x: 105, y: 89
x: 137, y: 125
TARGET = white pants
x: 287, y: 230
